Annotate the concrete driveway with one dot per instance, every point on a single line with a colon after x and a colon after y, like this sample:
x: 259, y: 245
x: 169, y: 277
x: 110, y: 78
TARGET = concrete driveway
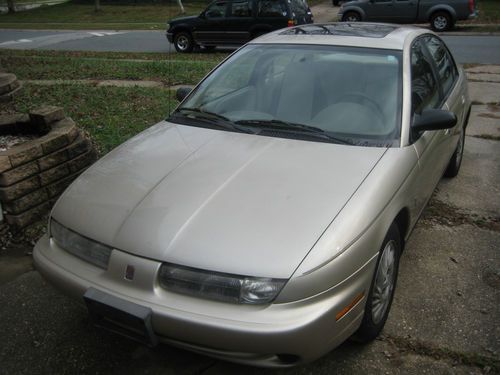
x: 444, y: 319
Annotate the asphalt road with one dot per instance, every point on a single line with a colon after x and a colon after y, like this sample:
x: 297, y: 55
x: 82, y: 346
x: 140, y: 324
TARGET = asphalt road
x: 467, y: 49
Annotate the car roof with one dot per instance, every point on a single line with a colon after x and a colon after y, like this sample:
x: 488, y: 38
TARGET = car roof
x: 355, y: 34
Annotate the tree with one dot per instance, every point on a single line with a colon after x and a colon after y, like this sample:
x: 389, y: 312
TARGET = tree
x: 11, y: 6
x: 97, y: 5
x: 181, y: 6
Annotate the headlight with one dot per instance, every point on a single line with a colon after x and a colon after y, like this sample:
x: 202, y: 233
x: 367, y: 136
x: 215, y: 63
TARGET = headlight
x: 219, y: 286
x: 82, y: 247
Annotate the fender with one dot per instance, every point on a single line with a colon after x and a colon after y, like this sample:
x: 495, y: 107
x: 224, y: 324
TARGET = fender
x: 426, y: 15
x: 355, y: 8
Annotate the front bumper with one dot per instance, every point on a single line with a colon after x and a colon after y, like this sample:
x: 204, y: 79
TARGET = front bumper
x: 269, y: 335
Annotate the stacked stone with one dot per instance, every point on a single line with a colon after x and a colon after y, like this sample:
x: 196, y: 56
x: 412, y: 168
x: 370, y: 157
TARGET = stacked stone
x: 35, y: 173
x: 9, y: 86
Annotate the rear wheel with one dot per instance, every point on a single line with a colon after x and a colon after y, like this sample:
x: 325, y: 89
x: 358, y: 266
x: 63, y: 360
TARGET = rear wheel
x: 183, y: 42
x: 382, y: 289
x: 351, y: 17
x: 456, y: 158
x: 441, y: 21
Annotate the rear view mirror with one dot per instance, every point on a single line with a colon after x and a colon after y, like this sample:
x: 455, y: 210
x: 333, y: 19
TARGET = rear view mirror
x: 182, y: 92
x: 434, y: 119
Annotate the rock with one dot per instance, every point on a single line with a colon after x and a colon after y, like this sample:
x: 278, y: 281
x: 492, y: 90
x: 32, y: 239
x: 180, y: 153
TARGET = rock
x: 42, y: 118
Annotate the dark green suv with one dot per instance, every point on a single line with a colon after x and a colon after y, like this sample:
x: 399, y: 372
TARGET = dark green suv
x: 235, y: 22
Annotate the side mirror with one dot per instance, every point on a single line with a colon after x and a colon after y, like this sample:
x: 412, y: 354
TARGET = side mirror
x: 182, y: 92
x: 433, y: 119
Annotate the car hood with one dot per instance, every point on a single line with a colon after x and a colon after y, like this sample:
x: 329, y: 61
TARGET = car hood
x: 182, y: 19
x: 217, y: 200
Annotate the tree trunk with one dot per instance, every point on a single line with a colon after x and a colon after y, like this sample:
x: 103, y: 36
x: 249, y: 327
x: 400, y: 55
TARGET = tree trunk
x: 181, y: 6
x: 97, y: 5
x: 10, y: 6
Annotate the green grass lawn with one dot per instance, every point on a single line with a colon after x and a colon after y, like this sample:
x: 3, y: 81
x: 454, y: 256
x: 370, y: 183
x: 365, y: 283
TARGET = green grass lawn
x: 23, y: 2
x: 489, y: 11
x: 172, y: 69
x: 110, y: 115
x: 82, y: 16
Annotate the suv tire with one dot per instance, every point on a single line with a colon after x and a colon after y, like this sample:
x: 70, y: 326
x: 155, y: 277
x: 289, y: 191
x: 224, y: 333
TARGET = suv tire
x: 183, y: 42
x: 441, y: 21
x: 351, y: 17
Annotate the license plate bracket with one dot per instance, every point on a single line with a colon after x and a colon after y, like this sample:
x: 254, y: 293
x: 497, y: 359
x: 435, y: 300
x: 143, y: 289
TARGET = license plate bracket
x: 120, y: 316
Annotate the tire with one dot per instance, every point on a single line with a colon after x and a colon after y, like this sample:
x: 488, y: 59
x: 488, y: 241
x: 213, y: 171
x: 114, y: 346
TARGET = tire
x: 351, y: 17
x: 378, y: 302
x: 441, y: 21
x: 183, y: 42
x: 456, y: 159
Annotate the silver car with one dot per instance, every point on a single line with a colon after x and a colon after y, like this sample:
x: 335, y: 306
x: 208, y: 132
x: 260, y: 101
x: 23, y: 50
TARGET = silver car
x: 264, y: 220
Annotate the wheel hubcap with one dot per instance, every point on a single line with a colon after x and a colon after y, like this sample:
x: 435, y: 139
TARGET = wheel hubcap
x: 440, y: 22
x: 352, y: 19
x: 384, y: 282
x: 182, y: 42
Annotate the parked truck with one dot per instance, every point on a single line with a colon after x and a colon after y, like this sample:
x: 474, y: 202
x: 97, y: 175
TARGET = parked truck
x: 442, y: 14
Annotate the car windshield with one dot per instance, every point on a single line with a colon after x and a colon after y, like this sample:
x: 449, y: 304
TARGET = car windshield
x: 339, y: 94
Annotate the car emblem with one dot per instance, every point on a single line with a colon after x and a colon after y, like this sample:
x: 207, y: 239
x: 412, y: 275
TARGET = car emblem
x: 129, y: 272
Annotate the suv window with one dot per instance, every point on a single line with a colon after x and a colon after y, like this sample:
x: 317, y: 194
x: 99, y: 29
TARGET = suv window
x: 241, y: 8
x: 446, y: 69
x: 298, y: 7
x: 270, y: 8
x: 425, y: 90
x: 216, y: 10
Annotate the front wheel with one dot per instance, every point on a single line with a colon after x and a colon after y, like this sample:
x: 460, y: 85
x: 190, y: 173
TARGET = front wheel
x: 382, y: 289
x: 351, y: 17
x: 456, y: 158
x: 183, y: 42
x: 441, y: 21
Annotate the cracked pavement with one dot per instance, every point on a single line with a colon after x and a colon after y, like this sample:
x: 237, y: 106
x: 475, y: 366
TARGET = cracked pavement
x: 444, y: 319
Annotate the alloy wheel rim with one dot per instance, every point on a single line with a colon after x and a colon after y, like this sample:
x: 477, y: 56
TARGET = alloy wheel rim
x: 440, y: 22
x: 352, y: 19
x: 182, y: 42
x: 384, y: 282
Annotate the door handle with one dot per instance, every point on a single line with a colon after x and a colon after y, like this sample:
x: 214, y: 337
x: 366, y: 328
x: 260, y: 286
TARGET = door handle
x: 463, y: 99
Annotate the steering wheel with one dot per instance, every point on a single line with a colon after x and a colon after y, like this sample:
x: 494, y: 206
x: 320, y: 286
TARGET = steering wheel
x: 363, y: 99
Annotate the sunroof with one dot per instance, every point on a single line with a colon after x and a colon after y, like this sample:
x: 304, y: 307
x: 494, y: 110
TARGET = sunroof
x: 343, y: 29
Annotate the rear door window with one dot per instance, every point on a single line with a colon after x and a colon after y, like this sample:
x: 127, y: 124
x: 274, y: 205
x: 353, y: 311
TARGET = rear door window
x: 241, y: 9
x: 424, y: 87
x: 446, y: 69
x: 270, y: 8
x: 298, y: 7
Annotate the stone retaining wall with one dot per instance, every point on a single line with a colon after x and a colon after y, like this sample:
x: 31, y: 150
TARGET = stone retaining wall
x: 35, y: 173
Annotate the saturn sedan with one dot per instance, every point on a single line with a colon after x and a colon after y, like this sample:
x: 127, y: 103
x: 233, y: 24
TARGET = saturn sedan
x: 264, y: 220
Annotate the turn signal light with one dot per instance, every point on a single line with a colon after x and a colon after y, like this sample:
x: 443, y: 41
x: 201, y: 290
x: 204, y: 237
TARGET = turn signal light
x: 349, y: 307
x: 291, y: 23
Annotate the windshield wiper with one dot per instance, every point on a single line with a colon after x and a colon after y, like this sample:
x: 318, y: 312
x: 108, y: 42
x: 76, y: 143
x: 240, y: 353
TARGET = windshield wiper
x: 290, y: 126
x: 213, y: 118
